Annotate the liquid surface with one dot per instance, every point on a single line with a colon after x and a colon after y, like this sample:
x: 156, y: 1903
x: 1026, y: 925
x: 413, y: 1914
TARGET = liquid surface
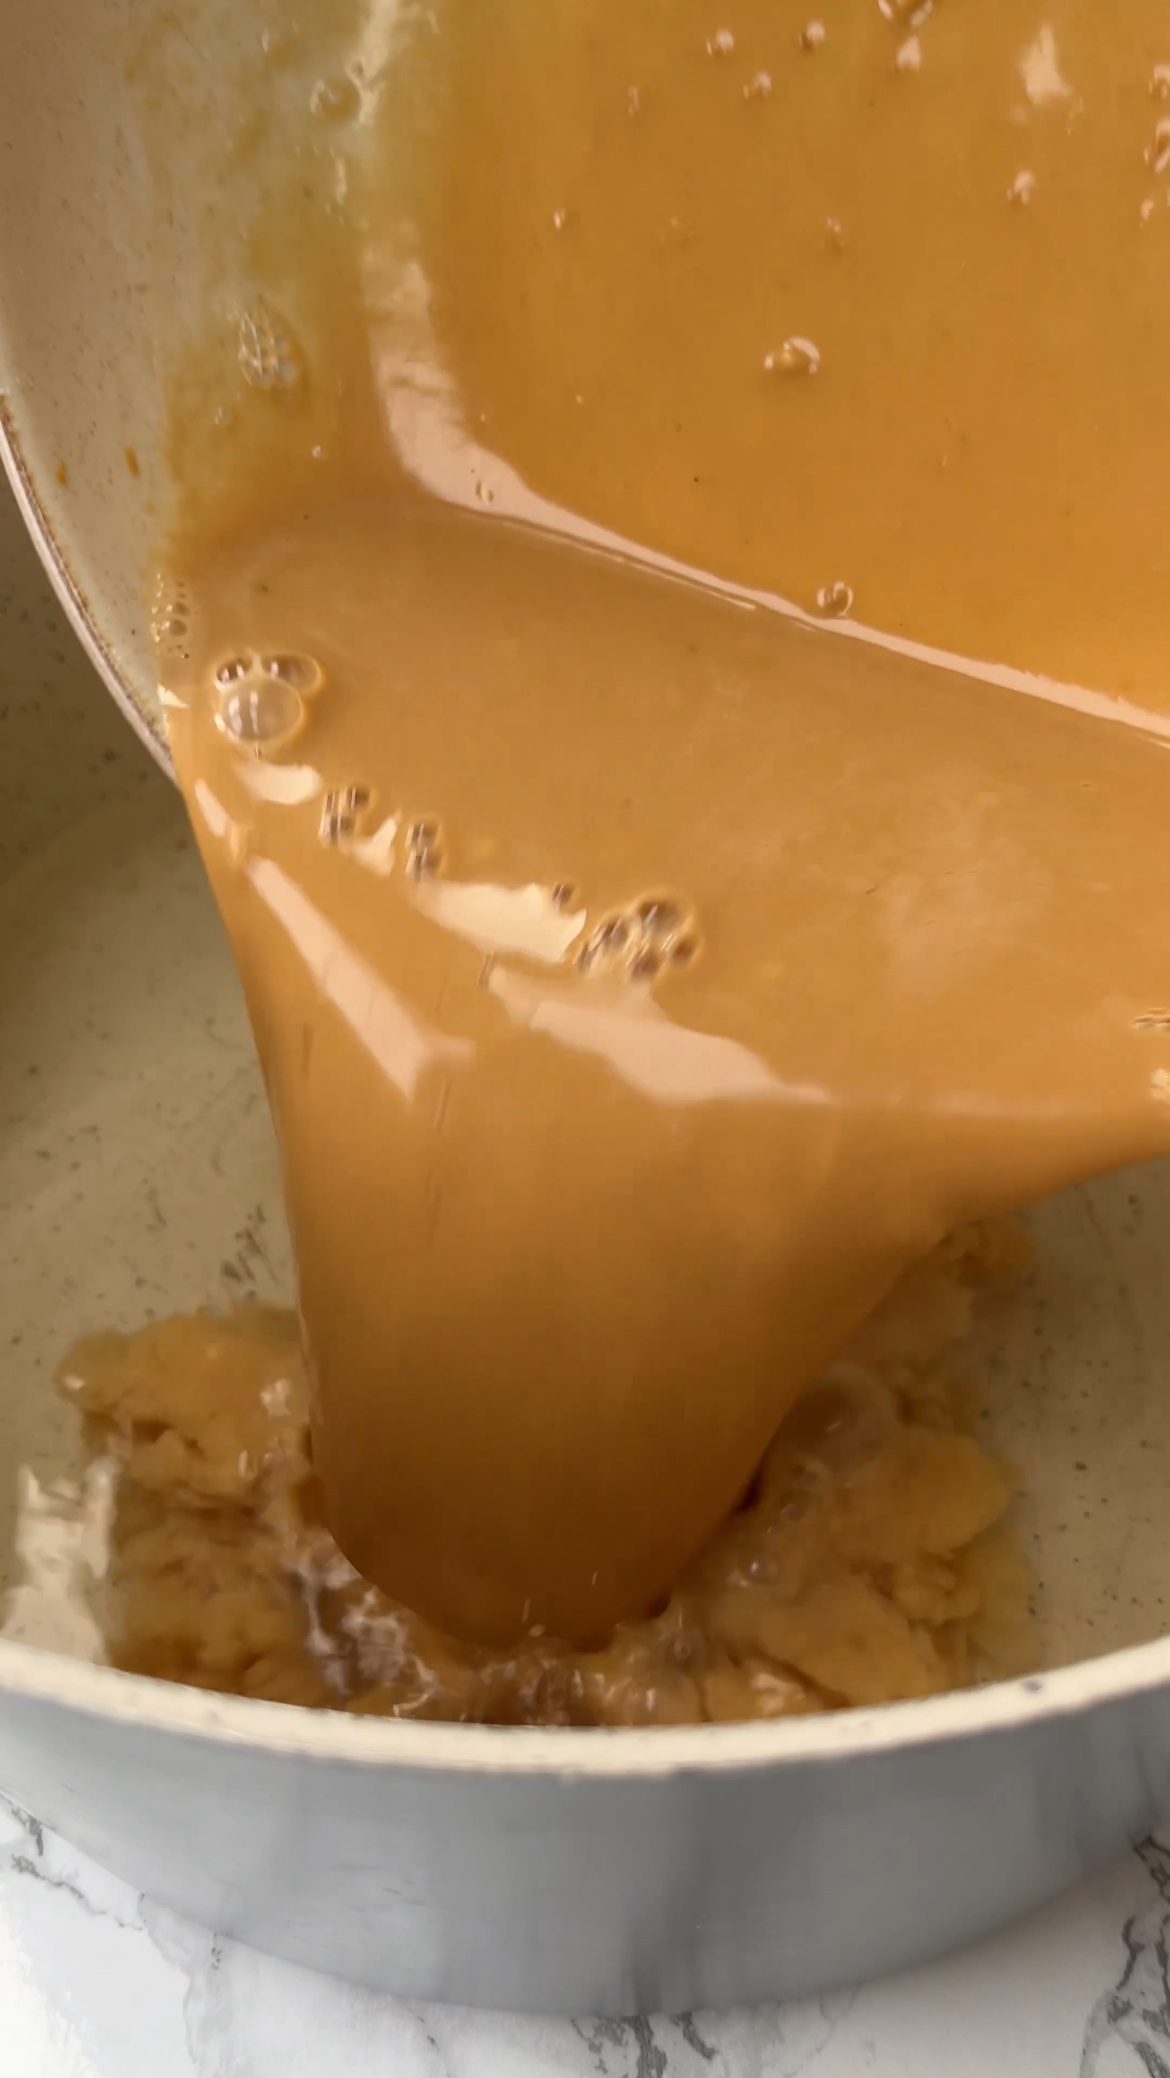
x: 643, y: 979
x: 868, y: 1564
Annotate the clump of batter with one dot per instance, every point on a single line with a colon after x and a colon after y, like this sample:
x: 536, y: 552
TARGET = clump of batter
x: 868, y: 1563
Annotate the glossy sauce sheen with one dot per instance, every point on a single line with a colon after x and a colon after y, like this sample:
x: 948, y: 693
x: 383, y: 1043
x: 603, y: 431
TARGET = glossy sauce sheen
x: 643, y: 978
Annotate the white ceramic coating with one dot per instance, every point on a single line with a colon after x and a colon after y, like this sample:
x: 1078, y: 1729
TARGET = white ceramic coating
x: 568, y: 1871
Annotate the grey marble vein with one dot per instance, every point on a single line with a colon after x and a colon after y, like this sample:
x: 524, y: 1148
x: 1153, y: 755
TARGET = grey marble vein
x: 95, y: 1981
x: 1135, y: 2011
x: 45, y: 1860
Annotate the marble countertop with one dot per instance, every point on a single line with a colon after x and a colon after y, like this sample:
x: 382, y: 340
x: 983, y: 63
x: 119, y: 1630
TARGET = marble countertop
x: 96, y: 1982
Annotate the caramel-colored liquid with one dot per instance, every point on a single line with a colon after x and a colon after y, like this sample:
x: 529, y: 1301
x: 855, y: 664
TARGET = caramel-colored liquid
x: 644, y: 979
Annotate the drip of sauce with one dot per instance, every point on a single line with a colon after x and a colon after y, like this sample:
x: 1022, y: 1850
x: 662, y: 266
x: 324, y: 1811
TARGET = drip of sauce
x: 643, y: 978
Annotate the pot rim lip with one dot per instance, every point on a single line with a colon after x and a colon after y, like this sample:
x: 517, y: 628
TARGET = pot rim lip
x: 141, y: 1702
x: 294, y: 1730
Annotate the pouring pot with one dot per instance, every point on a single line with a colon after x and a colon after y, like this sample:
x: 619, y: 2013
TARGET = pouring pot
x: 566, y: 1871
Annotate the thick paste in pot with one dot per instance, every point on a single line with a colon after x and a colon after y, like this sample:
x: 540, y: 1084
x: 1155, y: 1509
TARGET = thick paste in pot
x: 868, y: 1562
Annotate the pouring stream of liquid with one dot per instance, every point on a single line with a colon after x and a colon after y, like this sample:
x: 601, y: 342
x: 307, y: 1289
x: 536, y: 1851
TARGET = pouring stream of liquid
x: 643, y: 978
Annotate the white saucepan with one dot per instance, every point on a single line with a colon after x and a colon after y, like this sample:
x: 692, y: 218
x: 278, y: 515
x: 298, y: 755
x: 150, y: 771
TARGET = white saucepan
x: 563, y: 1871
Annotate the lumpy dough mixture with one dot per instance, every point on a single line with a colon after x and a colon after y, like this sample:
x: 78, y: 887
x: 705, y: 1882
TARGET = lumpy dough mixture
x: 868, y: 1562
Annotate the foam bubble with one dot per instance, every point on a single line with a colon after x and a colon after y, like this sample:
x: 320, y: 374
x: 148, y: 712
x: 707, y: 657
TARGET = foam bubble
x: 797, y: 356
x: 335, y: 100
x: 642, y: 939
x: 297, y: 669
x: 260, y: 700
x: 269, y: 355
x: 341, y: 813
x: 260, y: 716
x: 424, y: 857
x: 835, y: 599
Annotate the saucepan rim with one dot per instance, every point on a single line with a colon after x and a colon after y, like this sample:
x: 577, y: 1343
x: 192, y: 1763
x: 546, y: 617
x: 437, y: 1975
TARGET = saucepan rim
x: 138, y: 1700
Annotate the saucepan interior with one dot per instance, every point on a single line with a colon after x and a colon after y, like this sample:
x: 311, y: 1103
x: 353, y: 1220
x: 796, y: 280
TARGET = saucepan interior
x: 137, y: 1168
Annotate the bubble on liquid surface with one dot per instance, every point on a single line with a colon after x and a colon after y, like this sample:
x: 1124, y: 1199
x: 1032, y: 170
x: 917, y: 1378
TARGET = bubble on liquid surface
x: 335, y: 100
x: 424, y: 840
x: 797, y: 356
x: 835, y: 599
x: 610, y: 936
x: 298, y: 670
x: 721, y: 44
x: 812, y: 36
x: 269, y: 355
x: 654, y: 931
x: 260, y: 700
x: 260, y: 717
x: 658, y: 917
x: 758, y: 87
x: 1158, y: 154
x: 341, y: 813
x: 170, y: 620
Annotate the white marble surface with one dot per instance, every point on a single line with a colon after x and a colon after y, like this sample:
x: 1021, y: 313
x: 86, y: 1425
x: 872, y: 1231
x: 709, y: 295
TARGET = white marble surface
x: 98, y: 1983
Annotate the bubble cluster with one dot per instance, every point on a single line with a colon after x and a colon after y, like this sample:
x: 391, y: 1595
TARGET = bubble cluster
x: 424, y: 849
x: 170, y: 620
x: 650, y: 935
x: 270, y: 357
x: 260, y: 699
x: 341, y: 812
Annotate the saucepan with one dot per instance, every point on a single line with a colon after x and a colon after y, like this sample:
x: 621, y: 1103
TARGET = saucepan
x: 570, y: 1871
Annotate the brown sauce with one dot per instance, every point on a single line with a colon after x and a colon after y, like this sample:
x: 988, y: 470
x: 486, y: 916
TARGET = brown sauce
x: 645, y: 980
